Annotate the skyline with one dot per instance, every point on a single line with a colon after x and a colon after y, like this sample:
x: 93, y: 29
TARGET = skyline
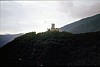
x: 27, y: 16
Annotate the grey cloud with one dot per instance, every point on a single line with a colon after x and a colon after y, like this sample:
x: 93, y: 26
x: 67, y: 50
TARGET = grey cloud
x: 11, y: 9
x: 10, y: 13
x: 65, y: 6
x: 80, y: 11
x: 19, y: 16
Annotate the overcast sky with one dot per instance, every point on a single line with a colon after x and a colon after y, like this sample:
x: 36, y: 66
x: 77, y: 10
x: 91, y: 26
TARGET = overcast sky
x: 27, y: 16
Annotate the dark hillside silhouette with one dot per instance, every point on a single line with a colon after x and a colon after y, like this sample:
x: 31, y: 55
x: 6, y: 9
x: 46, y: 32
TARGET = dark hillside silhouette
x: 52, y: 49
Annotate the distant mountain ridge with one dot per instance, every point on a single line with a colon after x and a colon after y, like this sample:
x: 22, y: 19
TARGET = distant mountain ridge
x: 4, y: 39
x: 89, y: 24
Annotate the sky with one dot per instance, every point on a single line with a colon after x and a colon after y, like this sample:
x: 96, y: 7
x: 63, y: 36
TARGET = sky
x: 27, y: 16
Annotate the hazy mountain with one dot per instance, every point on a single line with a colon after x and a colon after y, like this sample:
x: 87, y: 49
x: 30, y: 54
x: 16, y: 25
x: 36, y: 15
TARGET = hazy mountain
x: 4, y: 39
x: 90, y: 24
x: 52, y: 49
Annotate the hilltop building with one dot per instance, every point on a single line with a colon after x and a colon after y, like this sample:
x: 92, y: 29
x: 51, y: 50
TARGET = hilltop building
x: 53, y: 28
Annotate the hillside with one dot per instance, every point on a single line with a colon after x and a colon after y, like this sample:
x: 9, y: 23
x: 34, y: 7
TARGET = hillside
x: 90, y: 24
x: 52, y: 49
x: 4, y: 39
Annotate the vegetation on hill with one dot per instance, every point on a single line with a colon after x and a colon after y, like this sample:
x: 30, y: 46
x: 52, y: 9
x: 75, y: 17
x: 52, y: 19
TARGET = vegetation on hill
x: 52, y: 49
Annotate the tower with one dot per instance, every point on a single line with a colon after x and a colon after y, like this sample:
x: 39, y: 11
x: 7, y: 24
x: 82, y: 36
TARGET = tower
x: 53, y: 26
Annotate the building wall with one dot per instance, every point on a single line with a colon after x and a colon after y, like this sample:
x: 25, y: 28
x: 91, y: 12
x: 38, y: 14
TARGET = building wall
x: 54, y: 29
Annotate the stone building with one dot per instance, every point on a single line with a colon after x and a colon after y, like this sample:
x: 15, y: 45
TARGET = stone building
x: 53, y: 28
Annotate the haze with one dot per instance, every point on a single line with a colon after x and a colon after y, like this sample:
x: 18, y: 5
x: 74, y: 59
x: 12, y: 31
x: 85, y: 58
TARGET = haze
x: 27, y: 16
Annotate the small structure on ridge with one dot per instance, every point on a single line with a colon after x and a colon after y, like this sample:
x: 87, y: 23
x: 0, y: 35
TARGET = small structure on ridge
x: 53, y: 28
